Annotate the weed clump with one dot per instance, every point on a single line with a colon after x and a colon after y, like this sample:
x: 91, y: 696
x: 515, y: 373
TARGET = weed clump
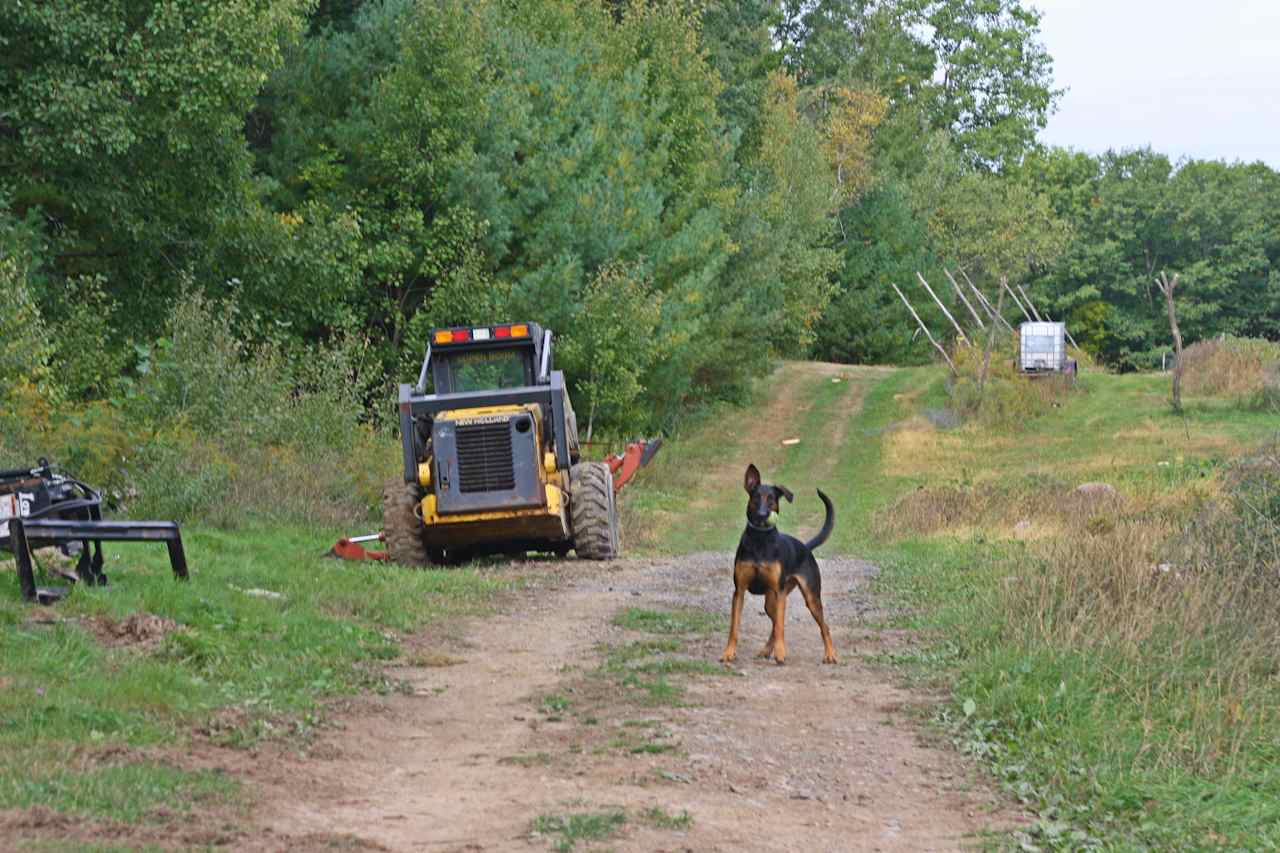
x: 1005, y: 398
x: 1246, y: 370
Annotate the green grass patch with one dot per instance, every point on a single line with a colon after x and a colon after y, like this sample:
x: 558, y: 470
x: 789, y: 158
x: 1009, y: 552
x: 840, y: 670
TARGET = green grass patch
x: 686, y: 621
x: 237, y: 665
x: 567, y: 830
x: 529, y: 759
x: 127, y: 793
x: 662, y: 819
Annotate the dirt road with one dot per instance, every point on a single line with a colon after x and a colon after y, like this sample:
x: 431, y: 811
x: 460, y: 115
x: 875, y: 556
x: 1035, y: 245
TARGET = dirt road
x: 590, y: 712
x: 529, y: 724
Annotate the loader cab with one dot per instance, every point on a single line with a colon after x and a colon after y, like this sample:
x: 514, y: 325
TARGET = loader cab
x: 487, y: 358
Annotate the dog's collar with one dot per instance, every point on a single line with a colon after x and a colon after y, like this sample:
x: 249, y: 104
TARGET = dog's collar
x: 762, y: 528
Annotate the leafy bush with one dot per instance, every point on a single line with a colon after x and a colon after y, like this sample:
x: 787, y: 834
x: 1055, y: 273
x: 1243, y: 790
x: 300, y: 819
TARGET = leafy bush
x: 218, y: 428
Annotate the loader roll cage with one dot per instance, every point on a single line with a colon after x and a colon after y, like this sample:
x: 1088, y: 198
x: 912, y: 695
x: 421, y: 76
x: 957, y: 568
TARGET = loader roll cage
x: 451, y: 360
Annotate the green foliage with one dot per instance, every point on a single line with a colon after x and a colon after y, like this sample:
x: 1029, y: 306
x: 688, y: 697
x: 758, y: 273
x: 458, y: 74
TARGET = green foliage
x: 125, y: 129
x: 615, y: 346
x: 25, y: 345
x: 583, y: 826
x: 1002, y: 398
x: 975, y: 70
x: 1134, y: 214
x: 884, y: 242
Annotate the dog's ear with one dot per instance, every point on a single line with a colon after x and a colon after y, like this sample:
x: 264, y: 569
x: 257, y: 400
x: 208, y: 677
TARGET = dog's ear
x: 752, y: 480
x: 783, y: 491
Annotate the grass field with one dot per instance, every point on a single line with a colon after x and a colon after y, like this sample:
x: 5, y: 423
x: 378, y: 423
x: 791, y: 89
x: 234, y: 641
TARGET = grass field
x: 99, y: 701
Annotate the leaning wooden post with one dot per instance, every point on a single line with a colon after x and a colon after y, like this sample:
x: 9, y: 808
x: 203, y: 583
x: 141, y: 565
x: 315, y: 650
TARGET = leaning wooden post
x: 960, y: 293
x: 959, y: 331
x: 923, y: 327
x: 1167, y: 287
x: 1030, y: 304
x: 1004, y: 282
x: 986, y: 303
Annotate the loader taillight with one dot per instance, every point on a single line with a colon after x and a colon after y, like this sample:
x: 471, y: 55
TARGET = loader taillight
x: 502, y: 332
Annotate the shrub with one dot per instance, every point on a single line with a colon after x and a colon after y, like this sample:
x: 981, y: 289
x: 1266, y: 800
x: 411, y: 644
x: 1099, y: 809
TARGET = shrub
x: 218, y: 428
x: 1181, y: 601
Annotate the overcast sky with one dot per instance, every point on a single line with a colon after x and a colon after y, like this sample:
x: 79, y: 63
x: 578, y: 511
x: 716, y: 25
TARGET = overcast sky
x: 1196, y: 78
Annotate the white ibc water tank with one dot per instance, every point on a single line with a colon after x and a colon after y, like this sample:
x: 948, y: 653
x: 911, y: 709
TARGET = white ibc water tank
x: 1043, y: 347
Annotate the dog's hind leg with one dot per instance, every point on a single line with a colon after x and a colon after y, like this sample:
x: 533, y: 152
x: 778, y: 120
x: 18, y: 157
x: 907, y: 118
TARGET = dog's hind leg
x: 813, y: 601
x: 771, y: 608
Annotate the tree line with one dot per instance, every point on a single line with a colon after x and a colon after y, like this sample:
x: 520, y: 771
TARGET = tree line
x: 682, y: 190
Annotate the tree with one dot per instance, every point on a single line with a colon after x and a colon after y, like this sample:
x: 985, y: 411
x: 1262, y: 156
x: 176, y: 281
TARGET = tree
x: 974, y: 68
x: 1167, y: 287
x: 123, y: 125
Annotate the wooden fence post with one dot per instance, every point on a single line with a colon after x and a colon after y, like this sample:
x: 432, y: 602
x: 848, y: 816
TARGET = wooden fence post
x: 960, y: 293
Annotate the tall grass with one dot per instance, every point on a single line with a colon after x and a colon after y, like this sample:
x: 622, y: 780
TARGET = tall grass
x: 1000, y: 396
x: 1244, y: 369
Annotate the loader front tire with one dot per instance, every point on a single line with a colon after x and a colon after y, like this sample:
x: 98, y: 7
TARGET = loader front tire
x: 593, y: 511
x: 401, y: 525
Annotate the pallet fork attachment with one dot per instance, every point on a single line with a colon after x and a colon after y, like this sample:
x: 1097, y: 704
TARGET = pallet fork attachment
x: 59, y: 532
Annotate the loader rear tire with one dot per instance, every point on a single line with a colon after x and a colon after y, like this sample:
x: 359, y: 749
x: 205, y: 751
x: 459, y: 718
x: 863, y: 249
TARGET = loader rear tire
x: 401, y: 524
x: 593, y: 511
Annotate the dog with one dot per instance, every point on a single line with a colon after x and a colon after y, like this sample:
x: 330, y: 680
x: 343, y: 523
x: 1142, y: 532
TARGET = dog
x: 772, y: 564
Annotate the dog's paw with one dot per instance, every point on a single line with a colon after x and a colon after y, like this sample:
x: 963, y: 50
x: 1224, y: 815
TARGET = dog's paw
x: 728, y: 657
x: 830, y: 659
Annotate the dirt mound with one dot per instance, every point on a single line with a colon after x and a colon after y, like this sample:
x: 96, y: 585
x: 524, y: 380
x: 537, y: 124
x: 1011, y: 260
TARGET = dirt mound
x: 144, y: 630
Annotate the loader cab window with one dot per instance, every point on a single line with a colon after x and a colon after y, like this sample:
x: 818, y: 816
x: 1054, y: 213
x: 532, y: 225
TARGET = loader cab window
x: 485, y: 370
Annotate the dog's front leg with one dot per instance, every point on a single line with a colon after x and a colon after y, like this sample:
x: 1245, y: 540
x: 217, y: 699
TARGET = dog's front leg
x: 771, y: 608
x: 777, y: 640
x: 735, y: 616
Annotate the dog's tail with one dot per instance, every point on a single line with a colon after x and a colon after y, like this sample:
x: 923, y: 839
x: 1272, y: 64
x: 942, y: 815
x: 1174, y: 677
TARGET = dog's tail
x: 826, y: 525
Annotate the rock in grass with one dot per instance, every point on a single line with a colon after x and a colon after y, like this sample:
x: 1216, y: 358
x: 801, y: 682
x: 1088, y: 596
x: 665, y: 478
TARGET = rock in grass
x: 1096, y: 490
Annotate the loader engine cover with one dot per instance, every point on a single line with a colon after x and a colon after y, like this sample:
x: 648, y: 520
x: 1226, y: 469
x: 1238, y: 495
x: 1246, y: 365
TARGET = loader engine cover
x: 487, y: 461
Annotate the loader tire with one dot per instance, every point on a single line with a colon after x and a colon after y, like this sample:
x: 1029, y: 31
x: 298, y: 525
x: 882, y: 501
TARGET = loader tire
x: 593, y: 511
x: 401, y: 524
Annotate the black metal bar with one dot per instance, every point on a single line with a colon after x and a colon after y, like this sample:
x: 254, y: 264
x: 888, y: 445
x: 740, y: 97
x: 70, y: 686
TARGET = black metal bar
x: 22, y: 556
x: 58, y: 531
x: 559, y: 424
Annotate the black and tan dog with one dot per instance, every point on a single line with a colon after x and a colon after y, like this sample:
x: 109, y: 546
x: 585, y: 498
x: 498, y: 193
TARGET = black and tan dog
x: 772, y: 564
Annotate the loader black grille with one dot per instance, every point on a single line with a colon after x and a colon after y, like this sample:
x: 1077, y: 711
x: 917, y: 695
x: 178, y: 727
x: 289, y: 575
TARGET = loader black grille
x: 484, y: 458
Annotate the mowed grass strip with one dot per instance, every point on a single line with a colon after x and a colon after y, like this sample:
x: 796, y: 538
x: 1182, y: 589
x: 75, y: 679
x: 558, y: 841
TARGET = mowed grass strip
x: 249, y: 648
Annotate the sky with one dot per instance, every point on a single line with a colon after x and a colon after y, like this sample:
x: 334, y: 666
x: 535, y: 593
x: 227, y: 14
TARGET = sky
x: 1193, y: 78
